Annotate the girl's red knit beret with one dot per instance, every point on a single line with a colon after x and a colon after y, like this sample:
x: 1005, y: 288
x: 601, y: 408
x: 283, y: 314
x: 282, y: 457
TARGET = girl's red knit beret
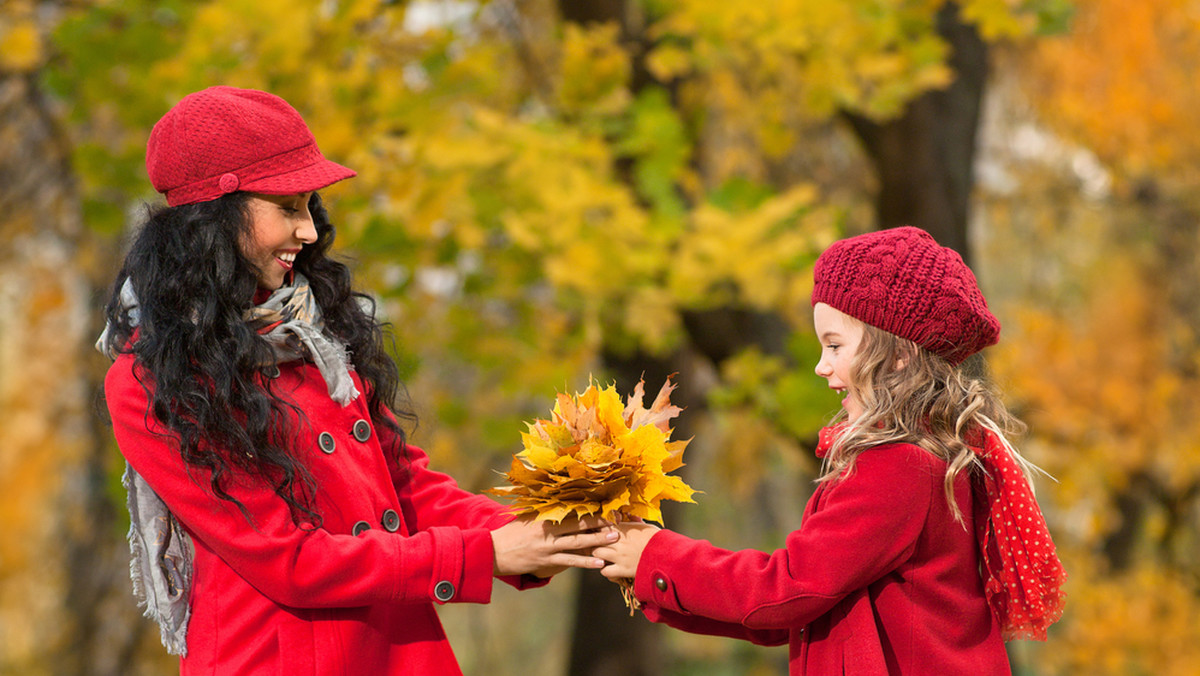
x: 902, y: 281
x: 223, y: 139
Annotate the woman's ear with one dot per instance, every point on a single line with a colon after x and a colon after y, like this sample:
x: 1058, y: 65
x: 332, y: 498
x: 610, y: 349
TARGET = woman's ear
x: 902, y: 360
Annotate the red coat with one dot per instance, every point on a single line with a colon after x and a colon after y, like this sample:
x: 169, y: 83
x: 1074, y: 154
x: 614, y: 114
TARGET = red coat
x: 271, y: 598
x: 879, y: 579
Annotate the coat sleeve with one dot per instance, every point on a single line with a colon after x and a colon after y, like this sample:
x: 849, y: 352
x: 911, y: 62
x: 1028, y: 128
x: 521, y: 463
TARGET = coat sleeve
x: 433, y: 499
x: 867, y: 525
x: 293, y: 566
x: 695, y: 624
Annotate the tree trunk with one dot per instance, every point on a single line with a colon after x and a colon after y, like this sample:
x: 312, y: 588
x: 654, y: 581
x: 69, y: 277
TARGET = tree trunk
x: 924, y: 163
x: 606, y: 641
x: 42, y: 408
x: 924, y: 159
x: 65, y: 602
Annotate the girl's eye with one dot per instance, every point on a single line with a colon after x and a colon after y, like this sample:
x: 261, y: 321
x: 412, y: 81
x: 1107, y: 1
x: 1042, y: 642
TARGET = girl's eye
x: 833, y: 346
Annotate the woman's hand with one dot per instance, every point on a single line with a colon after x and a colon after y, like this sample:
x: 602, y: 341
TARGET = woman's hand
x: 545, y: 549
x: 624, y: 554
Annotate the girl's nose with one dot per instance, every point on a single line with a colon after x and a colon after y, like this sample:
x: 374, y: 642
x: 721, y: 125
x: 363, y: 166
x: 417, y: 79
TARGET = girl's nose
x: 823, y: 369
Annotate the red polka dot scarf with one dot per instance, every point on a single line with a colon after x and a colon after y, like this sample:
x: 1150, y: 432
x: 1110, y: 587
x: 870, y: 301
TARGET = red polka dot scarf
x: 1023, y: 576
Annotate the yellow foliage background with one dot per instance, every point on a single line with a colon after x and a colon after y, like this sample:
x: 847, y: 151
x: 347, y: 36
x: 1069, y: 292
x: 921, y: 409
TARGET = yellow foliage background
x: 523, y: 212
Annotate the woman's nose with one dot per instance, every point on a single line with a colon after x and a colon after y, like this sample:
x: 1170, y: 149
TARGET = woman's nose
x: 306, y: 230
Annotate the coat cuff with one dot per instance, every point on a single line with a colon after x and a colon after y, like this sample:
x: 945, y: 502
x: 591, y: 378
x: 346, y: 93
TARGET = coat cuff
x: 653, y: 583
x: 650, y: 609
x: 526, y: 581
x: 500, y: 518
x: 462, y: 565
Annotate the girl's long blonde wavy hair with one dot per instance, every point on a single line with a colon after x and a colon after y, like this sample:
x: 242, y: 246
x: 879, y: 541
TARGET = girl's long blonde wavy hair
x: 911, y: 395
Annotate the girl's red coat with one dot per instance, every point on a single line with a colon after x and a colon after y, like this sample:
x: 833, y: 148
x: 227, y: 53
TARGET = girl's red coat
x: 879, y: 579
x: 271, y: 598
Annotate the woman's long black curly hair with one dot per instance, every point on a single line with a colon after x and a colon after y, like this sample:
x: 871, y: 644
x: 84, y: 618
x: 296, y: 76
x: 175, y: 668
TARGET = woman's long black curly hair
x: 202, y: 364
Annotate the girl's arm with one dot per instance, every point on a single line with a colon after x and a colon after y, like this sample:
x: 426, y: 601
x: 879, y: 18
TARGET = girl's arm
x: 694, y: 624
x: 865, y: 526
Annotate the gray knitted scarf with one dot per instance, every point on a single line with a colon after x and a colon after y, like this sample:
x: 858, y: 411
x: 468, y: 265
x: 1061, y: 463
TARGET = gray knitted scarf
x: 161, y: 551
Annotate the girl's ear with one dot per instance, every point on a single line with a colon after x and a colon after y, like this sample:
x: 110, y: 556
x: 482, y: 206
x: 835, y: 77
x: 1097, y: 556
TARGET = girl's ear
x: 903, y: 359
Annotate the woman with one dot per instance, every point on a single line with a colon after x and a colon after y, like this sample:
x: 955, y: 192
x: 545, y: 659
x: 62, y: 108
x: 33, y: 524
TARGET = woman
x: 280, y: 522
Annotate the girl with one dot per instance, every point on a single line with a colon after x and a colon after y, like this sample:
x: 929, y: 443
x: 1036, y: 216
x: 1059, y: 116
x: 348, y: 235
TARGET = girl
x: 921, y: 494
x: 280, y: 523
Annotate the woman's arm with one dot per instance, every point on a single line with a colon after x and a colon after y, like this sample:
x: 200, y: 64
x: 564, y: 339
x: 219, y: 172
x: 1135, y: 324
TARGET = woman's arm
x: 301, y: 567
x: 430, y: 498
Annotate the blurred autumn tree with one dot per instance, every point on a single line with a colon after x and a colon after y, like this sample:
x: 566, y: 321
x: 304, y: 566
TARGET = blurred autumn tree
x: 551, y: 189
x: 64, y: 595
x: 1100, y: 185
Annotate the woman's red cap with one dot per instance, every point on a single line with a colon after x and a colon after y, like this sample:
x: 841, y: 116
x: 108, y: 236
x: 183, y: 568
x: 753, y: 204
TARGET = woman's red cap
x: 223, y: 139
x: 902, y: 281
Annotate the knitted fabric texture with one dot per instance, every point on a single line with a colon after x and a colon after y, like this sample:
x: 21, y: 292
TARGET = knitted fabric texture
x: 223, y: 139
x: 900, y: 280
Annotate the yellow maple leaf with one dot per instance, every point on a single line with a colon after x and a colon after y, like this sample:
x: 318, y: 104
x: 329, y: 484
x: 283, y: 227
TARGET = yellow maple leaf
x: 621, y: 452
x: 597, y: 456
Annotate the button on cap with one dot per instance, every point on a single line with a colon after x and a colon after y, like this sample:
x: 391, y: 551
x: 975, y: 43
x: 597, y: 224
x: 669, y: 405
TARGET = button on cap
x: 362, y: 430
x: 390, y: 521
x: 444, y: 591
x: 661, y: 583
x: 228, y: 183
x: 360, y: 528
x: 326, y: 442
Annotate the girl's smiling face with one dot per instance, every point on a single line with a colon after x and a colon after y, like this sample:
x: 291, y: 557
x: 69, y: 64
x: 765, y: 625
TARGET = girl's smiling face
x: 280, y: 226
x: 840, y: 336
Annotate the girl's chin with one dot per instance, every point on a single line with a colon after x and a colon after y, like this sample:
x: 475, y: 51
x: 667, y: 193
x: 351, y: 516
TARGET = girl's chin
x: 852, y: 412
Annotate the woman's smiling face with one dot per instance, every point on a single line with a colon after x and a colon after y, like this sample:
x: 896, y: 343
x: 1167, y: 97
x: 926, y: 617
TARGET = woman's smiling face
x: 280, y: 227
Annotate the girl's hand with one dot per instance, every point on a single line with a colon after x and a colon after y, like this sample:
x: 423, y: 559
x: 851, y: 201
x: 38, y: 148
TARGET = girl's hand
x: 544, y: 548
x: 624, y: 554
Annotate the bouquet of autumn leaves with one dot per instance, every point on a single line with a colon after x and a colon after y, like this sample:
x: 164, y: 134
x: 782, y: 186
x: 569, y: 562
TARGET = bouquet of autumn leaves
x: 597, y: 456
